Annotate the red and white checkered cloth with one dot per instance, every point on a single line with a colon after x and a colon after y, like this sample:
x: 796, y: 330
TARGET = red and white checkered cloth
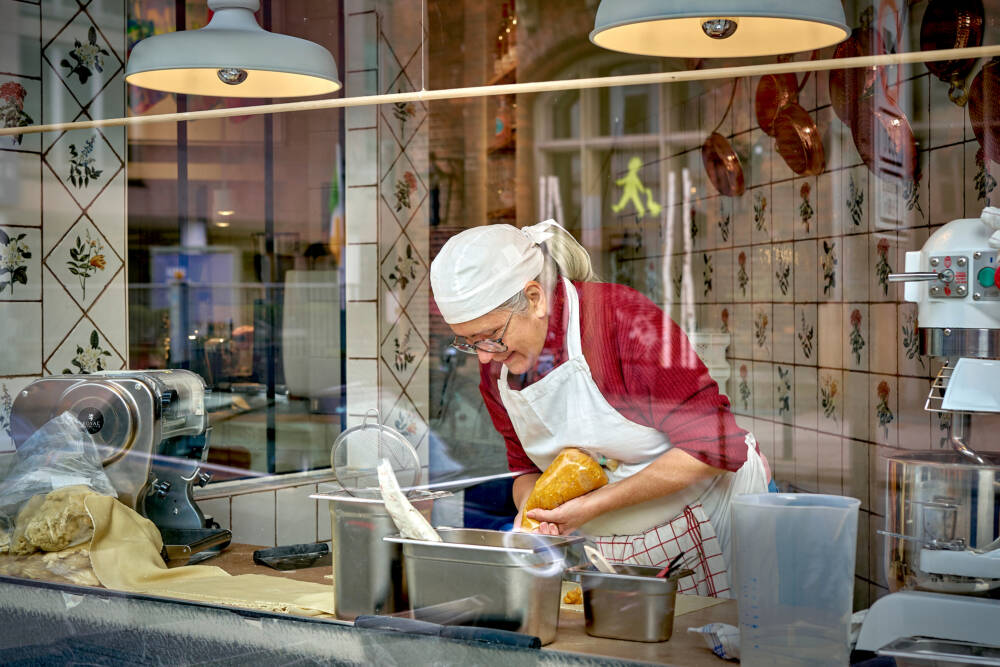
x: 692, y: 533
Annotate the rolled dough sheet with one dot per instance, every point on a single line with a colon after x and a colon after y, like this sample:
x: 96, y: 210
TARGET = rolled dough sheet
x: 125, y: 554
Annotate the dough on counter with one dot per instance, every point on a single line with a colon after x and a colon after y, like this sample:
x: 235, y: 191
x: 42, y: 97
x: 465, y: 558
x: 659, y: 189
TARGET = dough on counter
x: 573, y: 596
x: 72, y: 564
x: 62, y: 520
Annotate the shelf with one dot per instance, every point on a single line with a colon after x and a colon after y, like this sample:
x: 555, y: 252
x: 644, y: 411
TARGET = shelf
x: 508, y: 213
x: 509, y: 75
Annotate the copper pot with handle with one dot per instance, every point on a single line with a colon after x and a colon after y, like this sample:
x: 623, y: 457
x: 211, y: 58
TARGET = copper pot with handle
x: 984, y: 108
x: 881, y: 131
x: 721, y: 162
x: 952, y: 24
x: 848, y: 86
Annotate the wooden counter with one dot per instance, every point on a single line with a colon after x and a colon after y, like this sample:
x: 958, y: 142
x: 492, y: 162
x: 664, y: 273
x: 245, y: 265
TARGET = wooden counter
x: 683, y: 648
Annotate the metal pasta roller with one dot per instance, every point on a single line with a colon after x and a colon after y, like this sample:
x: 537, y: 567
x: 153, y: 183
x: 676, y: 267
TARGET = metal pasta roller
x: 151, y: 430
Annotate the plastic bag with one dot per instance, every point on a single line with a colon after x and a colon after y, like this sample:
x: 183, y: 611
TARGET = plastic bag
x: 572, y: 474
x: 60, y: 454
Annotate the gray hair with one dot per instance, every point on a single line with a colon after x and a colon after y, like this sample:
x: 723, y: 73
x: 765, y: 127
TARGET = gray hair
x: 564, y: 256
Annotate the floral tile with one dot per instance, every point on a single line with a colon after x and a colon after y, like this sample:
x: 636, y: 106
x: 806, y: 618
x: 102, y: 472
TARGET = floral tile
x: 806, y: 211
x: 20, y: 196
x: 403, y: 120
x: 402, y: 350
x: 405, y: 419
x: 855, y: 200
x: 910, y: 361
x: 403, y: 269
x: 21, y: 353
x: 82, y: 58
x: 806, y: 334
x: 783, y: 261
x: 61, y: 313
x: 762, y: 332
x: 109, y: 16
x: 882, y: 255
x: 84, y: 262
x: 857, y: 343
x: 741, y: 286
x: 741, y: 397
x: 20, y: 105
x: 829, y: 286
x: 20, y: 263
x: 884, y: 401
x: 84, y: 162
x: 981, y: 188
x: 741, y: 223
x: 761, y: 209
x: 9, y: 388
x: 830, y: 396
x: 403, y: 190
x: 705, y: 266
x: 784, y: 392
x: 85, y: 350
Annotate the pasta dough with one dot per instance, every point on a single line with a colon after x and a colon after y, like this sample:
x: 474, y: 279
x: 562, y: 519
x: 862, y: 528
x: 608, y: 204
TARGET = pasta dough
x: 61, y: 520
x: 572, y: 474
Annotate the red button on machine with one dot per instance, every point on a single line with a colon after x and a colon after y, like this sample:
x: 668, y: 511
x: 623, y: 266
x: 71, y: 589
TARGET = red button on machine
x: 996, y: 279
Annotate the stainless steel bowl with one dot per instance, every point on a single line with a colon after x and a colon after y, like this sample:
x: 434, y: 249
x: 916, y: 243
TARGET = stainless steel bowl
x: 631, y: 604
x: 939, y: 499
x: 510, y: 581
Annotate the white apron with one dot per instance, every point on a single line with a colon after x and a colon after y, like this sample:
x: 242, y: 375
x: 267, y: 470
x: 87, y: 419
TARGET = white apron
x: 566, y: 408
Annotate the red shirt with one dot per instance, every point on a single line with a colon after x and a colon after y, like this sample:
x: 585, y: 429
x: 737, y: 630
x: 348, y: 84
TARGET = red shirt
x: 624, y: 336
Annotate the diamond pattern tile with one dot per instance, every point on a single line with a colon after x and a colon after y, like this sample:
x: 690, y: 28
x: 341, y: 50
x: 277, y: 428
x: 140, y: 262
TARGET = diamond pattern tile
x: 9, y: 388
x: 83, y: 58
x: 84, y: 162
x: 84, y: 262
x: 61, y: 314
x: 403, y: 270
x: 405, y: 419
x: 85, y: 350
x: 403, y: 120
x: 403, y: 189
x: 402, y: 350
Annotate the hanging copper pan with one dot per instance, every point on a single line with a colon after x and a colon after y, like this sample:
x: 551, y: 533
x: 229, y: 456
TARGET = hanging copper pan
x: 882, y: 132
x: 721, y: 162
x: 952, y: 24
x: 774, y: 91
x: 798, y: 141
x: 848, y: 86
x: 984, y: 108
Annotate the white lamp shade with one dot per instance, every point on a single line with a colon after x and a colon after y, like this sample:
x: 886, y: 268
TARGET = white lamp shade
x: 673, y: 28
x: 189, y: 61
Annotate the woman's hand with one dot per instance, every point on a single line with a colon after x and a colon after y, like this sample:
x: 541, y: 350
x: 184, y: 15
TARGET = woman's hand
x: 566, y: 518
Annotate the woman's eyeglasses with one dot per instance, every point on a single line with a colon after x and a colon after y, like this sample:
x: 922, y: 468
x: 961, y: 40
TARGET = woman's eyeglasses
x: 491, y: 345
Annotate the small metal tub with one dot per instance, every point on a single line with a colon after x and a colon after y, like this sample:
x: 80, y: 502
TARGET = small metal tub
x: 510, y: 581
x: 632, y: 604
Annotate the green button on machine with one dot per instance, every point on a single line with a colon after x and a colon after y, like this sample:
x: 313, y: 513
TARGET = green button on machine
x: 986, y: 276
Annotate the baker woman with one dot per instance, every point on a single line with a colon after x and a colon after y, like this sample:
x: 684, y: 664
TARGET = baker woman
x: 567, y: 361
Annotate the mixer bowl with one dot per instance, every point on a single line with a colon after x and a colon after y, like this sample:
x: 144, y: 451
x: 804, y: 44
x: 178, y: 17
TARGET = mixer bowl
x: 936, y: 498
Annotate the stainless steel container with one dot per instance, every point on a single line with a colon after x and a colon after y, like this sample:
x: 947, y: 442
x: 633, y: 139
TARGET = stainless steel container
x: 631, y: 604
x: 368, y: 575
x: 510, y: 581
x: 938, y: 498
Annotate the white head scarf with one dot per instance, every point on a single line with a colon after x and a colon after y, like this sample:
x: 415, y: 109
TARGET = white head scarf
x: 480, y: 268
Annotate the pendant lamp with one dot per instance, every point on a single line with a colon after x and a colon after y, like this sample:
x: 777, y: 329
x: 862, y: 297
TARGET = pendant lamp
x: 718, y: 28
x: 232, y: 57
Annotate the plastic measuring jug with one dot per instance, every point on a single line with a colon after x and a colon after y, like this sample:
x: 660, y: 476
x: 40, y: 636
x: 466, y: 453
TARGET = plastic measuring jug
x: 793, y: 574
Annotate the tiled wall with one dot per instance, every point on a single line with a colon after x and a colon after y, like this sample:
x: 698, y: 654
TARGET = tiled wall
x: 826, y: 367
x: 387, y: 229
x: 62, y: 194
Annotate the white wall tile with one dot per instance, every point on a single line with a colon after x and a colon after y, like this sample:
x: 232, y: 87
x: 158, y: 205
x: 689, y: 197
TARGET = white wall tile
x: 361, y: 269
x: 296, y: 515
x: 362, y: 157
x: 362, y: 329
x: 21, y: 352
x: 218, y: 509
x: 253, y: 519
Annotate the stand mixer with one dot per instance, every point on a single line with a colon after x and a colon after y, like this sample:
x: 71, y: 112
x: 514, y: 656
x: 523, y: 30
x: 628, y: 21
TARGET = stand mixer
x: 151, y: 430
x: 943, y: 506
